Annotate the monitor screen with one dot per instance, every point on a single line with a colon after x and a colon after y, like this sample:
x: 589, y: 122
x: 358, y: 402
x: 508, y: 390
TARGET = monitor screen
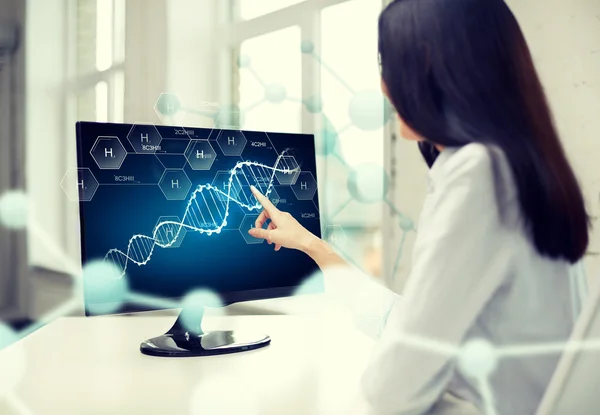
x: 171, y: 208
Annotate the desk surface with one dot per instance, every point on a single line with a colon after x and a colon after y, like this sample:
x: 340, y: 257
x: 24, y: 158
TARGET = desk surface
x: 90, y: 366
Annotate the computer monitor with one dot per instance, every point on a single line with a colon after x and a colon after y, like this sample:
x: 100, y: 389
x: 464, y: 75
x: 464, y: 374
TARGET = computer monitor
x: 170, y: 207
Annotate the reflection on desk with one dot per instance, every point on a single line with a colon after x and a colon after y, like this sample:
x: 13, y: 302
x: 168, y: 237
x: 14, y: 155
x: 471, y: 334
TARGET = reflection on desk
x: 78, y: 365
x: 82, y: 365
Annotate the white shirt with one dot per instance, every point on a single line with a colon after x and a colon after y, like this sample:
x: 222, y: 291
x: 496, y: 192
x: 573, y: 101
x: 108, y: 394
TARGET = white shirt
x: 476, y: 275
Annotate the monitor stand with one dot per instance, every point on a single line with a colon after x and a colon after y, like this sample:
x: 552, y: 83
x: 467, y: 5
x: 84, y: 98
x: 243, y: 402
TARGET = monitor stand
x: 179, y: 341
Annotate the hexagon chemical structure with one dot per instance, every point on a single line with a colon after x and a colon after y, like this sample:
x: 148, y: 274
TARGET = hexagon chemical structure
x: 223, y: 182
x: 169, y: 109
x: 253, y: 173
x: 246, y: 225
x: 175, y: 184
x: 305, y: 186
x: 231, y: 142
x: 336, y: 236
x: 259, y: 146
x: 167, y: 104
x: 246, y: 196
x: 290, y: 172
x: 271, y: 142
x: 171, y: 161
x: 166, y: 231
x: 108, y: 153
x: 144, y: 138
x: 274, y: 196
x: 200, y: 154
x: 79, y: 184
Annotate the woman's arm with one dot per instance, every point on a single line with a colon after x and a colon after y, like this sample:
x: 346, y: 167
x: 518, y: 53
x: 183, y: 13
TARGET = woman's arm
x: 367, y: 300
x: 285, y: 231
x: 460, y: 259
x: 323, y: 254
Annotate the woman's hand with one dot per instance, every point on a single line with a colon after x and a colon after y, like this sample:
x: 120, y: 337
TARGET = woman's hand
x: 284, y: 230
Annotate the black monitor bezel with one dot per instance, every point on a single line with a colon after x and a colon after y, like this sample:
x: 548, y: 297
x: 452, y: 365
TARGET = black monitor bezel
x: 226, y: 298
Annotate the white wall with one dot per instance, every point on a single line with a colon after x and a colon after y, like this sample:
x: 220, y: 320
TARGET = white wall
x: 564, y: 37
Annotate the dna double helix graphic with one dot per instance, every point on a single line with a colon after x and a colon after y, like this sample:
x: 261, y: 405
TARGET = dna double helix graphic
x: 206, y: 212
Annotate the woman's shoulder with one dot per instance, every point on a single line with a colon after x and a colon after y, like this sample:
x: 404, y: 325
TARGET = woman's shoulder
x: 485, y: 169
x: 472, y: 161
x: 479, y: 160
x: 473, y: 157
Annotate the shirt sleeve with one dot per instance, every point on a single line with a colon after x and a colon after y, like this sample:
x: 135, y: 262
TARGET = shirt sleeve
x: 368, y: 302
x: 460, y: 258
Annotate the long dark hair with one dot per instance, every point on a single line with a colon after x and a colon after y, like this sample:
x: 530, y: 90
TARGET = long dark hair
x: 460, y: 71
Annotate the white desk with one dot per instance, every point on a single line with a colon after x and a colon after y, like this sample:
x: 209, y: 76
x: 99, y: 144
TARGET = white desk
x: 93, y: 366
x: 78, y: 365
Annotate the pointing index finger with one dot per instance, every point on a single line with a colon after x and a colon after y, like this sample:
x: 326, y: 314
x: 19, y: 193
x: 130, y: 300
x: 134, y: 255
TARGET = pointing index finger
x: 264, y: 201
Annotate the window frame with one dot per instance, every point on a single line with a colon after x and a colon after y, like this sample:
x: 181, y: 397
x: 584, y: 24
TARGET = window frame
x: 306, y: 15
x: 74, y: 84
x: 77, y: 82
x: 232, y: 32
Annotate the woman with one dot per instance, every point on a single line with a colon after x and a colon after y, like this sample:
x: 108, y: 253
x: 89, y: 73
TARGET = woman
x: 502, y: 223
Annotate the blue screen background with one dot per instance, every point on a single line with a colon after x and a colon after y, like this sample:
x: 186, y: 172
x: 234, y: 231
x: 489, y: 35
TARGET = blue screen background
x: 224, y: 262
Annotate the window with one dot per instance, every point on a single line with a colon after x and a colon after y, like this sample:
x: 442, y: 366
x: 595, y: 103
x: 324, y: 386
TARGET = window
x: 311, y: 66
x: 352, y: 54
x: 269, y: 93
x: 99, y: 51
x: 350, y: 78
x: 250, y: 9
x: 325, y: 49
x: 74, y: 53
x: 89, y: 36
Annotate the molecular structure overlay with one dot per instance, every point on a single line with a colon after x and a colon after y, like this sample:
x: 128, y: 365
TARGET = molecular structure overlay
x: 222, y: 205
x: 368, y: 111
x: 201, y: 206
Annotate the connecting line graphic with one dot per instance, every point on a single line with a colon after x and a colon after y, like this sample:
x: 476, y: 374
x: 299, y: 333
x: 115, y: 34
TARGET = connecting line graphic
x: 399, y: 255
x: 541, y: 349
x: 205, y: 212
x: 452, y: 352
x: 478, y: 359
x: 487, y: 395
